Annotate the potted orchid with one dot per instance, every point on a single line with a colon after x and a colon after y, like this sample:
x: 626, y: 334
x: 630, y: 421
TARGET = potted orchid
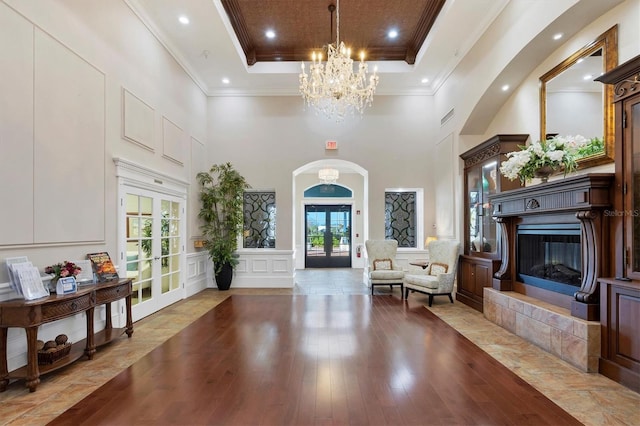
x: 542, y: 158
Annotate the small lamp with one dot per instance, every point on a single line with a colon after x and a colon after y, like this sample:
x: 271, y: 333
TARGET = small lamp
x: 428, y: 240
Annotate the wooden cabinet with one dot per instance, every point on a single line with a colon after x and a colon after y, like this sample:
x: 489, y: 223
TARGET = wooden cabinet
x: 474, y: 274
x: 30, y: 314
x: 620, y: 316
x: 482, y: 178
x: 620, y: 297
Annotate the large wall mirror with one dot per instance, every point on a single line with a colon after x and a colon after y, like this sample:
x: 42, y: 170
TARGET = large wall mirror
x: 571, y: 103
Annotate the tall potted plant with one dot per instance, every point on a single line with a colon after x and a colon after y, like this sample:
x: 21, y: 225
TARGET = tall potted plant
x: 221, y: 190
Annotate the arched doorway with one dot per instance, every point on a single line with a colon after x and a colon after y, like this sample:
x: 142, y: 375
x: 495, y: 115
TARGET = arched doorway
x: 330, y: 221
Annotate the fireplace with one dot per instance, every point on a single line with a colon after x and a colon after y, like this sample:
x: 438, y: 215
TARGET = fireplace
x: 549, y: 257
x: 553, y: 239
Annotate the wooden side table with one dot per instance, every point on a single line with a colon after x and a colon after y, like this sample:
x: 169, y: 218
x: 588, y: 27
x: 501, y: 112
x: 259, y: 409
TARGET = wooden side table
x: 421, y: 263
x: 30, y: 314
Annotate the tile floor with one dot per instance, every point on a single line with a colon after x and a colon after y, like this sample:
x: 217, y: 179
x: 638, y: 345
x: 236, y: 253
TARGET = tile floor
x: 591, y: 398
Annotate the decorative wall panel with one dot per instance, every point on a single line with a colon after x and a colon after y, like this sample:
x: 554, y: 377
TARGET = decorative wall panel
x: 173, y: 142
x: 444, y: 190
x: 16, y: 128
x: 69, y: 145
x: 137, y: 120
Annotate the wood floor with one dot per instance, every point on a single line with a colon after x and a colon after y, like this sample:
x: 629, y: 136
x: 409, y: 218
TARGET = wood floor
x: 306, y: 360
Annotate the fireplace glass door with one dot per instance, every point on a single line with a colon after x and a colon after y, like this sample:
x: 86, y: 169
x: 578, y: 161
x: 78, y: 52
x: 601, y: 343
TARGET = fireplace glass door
x: 549, y: 256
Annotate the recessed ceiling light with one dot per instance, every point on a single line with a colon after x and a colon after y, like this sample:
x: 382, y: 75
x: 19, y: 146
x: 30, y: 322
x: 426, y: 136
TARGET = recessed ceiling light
x: 588, y: 77
x: 225, y: 80
x: 579, y: 60
x: 505, y: 87
x: 392, y: 34
x: 424, y: 80
x: 557, y: 36
x: 183, y: 20
x: 270, y: 34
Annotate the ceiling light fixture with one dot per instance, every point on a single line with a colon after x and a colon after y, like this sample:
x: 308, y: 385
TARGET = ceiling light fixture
x: 270, y: 34
x: 333, y: 88
x: 557, y: 36
x: 392, y: 34
x: 183, y: 20
x: 328, y: 176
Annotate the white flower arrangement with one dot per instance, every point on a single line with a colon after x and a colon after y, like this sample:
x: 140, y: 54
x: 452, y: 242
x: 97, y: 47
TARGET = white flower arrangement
x: 560, y: 151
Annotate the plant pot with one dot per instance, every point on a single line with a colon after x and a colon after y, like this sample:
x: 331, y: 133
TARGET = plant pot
x: 544, y: 172
x: 223, y: 279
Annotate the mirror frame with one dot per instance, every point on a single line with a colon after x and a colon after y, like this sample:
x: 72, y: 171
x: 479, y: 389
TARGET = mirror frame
x: 608, y: 42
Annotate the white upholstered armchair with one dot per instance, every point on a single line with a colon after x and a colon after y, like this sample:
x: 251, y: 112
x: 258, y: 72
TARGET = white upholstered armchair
x: 439, y: 276
x: 383, y: 269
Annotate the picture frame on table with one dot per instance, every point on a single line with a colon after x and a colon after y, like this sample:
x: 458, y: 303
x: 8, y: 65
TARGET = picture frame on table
x: 66, y: 285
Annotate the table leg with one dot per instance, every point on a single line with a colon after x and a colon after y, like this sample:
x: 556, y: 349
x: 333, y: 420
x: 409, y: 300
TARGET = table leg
x: 33, y: 372
x: 108, y: 326
x: 4, y: 372
x: 90, y: 349
x: 129, y: 329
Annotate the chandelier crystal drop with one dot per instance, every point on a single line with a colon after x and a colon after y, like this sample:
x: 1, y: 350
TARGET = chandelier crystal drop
x: 333, y: 88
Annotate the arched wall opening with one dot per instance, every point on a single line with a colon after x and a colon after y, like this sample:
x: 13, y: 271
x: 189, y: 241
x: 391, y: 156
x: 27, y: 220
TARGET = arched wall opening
x: 353, y: 177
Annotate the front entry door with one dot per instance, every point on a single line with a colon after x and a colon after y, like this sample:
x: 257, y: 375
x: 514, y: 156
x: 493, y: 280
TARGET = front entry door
x: 328, y: 236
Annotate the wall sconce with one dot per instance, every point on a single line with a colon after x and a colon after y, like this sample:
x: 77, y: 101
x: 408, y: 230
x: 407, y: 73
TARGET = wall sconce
x: 428, y: 240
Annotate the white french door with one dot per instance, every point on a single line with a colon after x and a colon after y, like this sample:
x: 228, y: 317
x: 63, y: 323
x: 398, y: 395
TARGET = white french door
x: 152, y: 248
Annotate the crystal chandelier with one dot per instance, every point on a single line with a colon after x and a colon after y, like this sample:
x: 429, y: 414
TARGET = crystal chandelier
x: 333, y: 88
x: 328, y: 176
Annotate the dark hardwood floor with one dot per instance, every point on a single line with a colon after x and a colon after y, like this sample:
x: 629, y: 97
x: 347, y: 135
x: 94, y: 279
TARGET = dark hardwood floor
x: 306, y: 360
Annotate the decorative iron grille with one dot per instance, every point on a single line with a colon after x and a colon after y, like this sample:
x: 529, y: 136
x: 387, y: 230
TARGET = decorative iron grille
x: 400, y: 217
x: 259, y: 212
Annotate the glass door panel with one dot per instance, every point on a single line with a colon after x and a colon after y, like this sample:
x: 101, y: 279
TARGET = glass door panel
x: 154, y: 250
x: 328, y: 236
x: 633, y: 195
x: 474, y: 185
x: 489, y: 179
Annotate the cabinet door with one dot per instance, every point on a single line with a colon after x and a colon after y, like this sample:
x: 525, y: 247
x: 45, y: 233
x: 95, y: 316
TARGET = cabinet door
x: 467, y: 284
x: 483, y: 279
x: 632, y: 197
x: 489, y: 187
x: 474, y: 203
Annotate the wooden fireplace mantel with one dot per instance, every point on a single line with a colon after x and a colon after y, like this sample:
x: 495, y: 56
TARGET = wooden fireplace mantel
x: 582, y: 198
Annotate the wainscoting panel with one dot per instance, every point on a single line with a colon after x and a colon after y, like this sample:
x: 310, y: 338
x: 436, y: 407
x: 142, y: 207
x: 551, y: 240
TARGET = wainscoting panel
x: 197, y: 278
x: 264, y: 268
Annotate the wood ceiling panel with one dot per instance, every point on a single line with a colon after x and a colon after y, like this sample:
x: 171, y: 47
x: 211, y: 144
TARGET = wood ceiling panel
x: 305, y: 25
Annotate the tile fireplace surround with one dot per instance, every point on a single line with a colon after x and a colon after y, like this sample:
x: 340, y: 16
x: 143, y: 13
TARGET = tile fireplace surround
x: 563, y: 325
x: 549, y: 327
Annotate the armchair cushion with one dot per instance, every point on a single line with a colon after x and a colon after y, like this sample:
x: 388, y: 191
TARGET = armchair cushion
x: 438, y: 268
x: 421, y: 280
x: 382, y: 264
x: 386, y: 274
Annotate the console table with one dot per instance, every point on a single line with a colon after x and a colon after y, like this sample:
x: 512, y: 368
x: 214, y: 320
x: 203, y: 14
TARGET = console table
x: 30, y: 314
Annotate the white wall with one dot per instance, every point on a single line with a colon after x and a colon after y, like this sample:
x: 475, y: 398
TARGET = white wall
x: 67, y: 68
x: 267, y: 138
x: 521, y: 114
x: 479, y: 70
